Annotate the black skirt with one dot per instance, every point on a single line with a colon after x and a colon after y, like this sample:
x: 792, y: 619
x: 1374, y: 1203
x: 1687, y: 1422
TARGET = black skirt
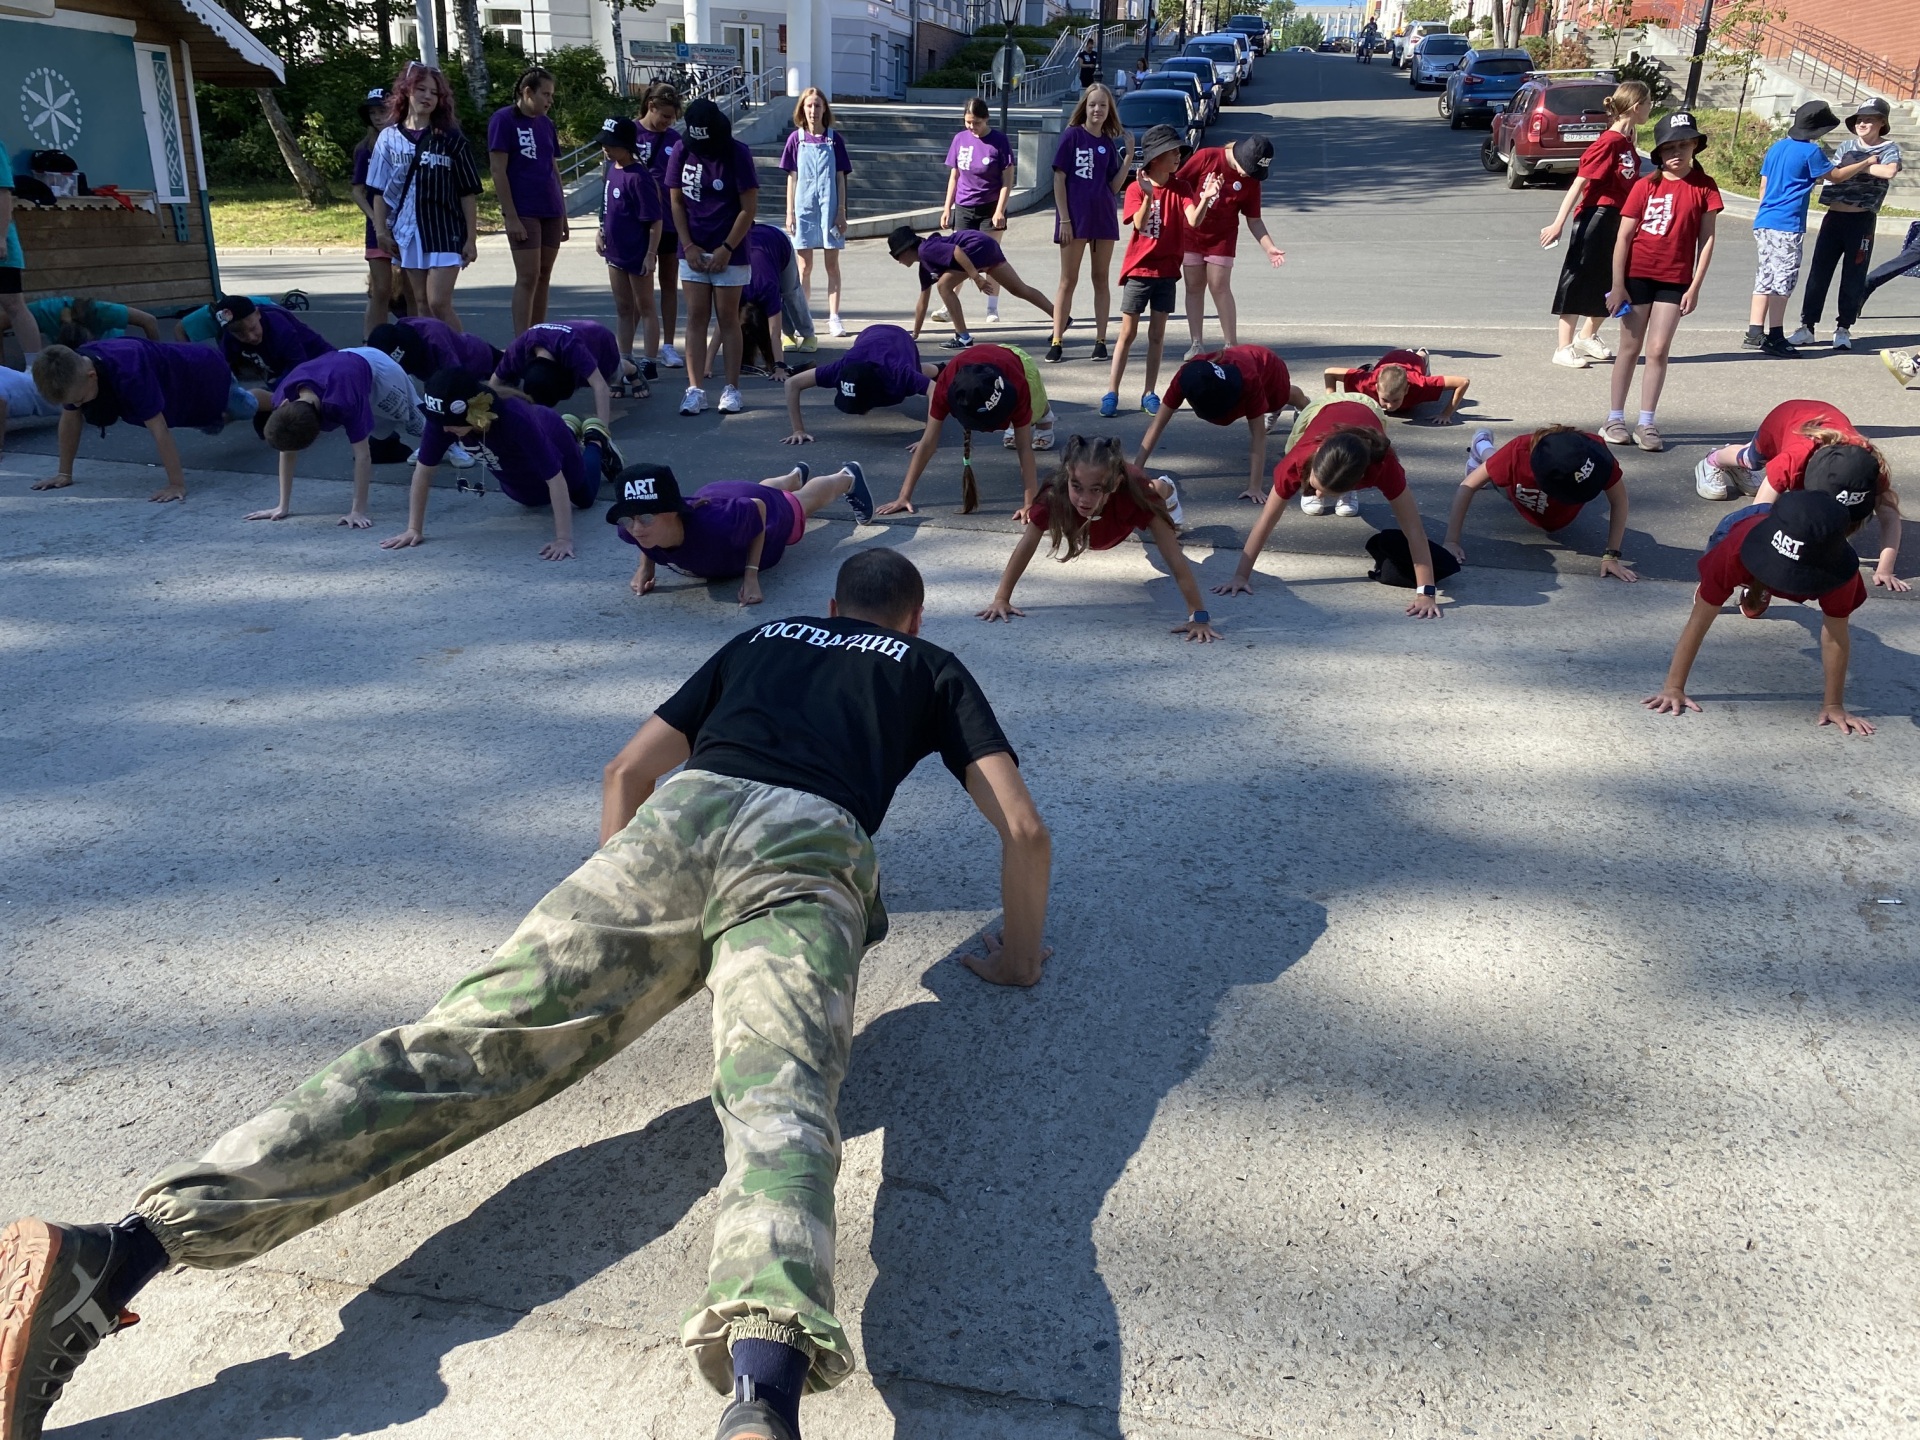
x: 1587, y: 272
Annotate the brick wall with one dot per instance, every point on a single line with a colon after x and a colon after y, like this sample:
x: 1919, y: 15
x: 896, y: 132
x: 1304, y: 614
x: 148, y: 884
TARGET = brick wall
x: 1891, y: 31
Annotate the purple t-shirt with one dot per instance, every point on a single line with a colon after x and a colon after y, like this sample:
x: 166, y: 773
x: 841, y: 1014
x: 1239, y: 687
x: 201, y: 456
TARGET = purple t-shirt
x: 530, y: 145
x: 892, y: 351
x: 936, y: 253
x: 362, y: 155
x: 448, y: 348
x: 524, y: 447
x: 790, y: 156
x: 711, y: 190
x: 344, y: 384
x: 583, y: 346
x: 769, y: 252
x: 981, y: 160
x: 1089, y: 162
x: 284, y: 343
x: 630, y: 208
x: 721, y: 525
x: 651, y: 150
x: 183, y: 384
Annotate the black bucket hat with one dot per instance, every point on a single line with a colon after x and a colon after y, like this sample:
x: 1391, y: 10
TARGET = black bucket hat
x: 1158, y: 141
x: 406, y: 345
x: 620, y: 131
x: 1812, y: 120
x: 1571, y: 467
x: 1849, y: 473
x: 980, y: 398
x: 708, y: 130
x: 547, y: 381
x: 1212, y: 387
x: 861, y: 386
x: 1800, y: 547
x: 645, y: 490
x: 1393, y: 560
x: 1677, y: 127
x: 901, y: 239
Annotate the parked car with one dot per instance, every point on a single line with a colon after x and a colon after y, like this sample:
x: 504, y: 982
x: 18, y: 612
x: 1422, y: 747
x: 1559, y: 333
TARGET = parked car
x: 1242, y: 46
x: 1206, y: 72
x: 1404, y: 42
x: 1484, y: 83
x: 1226, y: 62
x: 1302, y: 50
x: 1545, y: 127
x: 1434, y: 58
x: 1141, y: 110
x: 1188, y: 84
x: 1254, y: 27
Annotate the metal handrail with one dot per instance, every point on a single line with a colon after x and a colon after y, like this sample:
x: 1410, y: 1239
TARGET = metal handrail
x: 1816, y: 54
x: 576, y: 165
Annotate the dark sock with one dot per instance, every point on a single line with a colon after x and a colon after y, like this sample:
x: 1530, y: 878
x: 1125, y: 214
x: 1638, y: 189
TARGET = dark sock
x: 778, y: 1373
x: 140, y: 1257
x: 1777, y: 332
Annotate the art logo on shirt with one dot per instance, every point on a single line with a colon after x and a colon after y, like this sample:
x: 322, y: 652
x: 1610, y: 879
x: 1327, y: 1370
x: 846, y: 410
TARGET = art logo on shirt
x: 1152, y: 232
x: 1629, y: 164
x: 480, y: 451
x: 966, y: 158
x: 1659, y: 217
x: 643, y: 152
x: 693, y: 177
x: 1787, y: 545
x: 813, y: 635
x: 529, y: 147
x: 1530, y: 499
x: 1082, y: 164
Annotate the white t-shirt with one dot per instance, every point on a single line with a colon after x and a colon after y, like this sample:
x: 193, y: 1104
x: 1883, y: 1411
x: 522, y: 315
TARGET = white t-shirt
x: 24, y: 401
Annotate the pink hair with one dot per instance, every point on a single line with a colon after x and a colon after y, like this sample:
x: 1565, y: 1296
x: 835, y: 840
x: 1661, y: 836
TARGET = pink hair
x: 408, y: 80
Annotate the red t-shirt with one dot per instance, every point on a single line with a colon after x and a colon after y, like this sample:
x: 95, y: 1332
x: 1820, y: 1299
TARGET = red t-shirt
x: 1421, y: 387
x: 1291, y: 473
x: 1118, y: 518
x: 1003, y: 360
x: 1511, y: 468
x: 1721, y: 573
x: 1154, y: 253
x: 1265, y: 383
x: 1610, y: 165
x: 1218, y: 232
x: 1670, y: 213
x: 1785, y: 450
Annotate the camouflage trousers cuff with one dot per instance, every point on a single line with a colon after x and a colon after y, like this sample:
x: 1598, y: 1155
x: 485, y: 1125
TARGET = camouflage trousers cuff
x: 710, y: 1334
x: 171, y: 1240
x: 765, y: 1327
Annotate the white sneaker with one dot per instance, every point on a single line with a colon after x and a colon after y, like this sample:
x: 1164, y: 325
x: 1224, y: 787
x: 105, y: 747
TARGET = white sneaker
x: 993, y: 314
x: 1710, y: 482
x: 1312, y: 502
x: 1479, y: 450
x: 1194, y: 352
x: 1570, y: 357
x: 1174, y: 512
x: 694, y: 401
x: 1347, y: 505
x: 834, y: 327
x: 1802, y: 336
x: 1591, y: 347
x: 670, y: 357
x: 459, y: 457
x: 1901, y: 366
x: 1843, y: 339
x: 730, y: 401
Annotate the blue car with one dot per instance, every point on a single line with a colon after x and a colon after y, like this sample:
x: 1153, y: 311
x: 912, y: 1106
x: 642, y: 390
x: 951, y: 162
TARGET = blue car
x: 1483, y: 85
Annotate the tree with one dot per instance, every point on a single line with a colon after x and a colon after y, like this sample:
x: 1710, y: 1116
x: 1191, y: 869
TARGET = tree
x: 311, y: 184
x: 1613, y: 22
x: 474, y: 54
x: 1301, y: 30
x: 1429, y: 10
x: 1739, y: 30
x: 620, y: 41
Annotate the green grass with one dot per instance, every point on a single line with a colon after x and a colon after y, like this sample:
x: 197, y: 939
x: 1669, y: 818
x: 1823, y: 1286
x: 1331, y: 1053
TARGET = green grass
x: 274, y: 214
x: 1734, y: 164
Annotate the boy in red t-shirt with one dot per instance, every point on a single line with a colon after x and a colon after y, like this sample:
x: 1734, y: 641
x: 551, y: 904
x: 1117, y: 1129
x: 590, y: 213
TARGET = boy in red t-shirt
x: 1242, y: 382
x: 1549, y: 476
x: 986, y: 388
x: 1797, y: 550
x: 1400, y: 382
x: 1226, y: 182
x: 1157, y: 211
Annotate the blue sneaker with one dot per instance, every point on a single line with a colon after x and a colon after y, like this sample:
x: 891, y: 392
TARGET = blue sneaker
x: 859, y: 497
x: 1110, y: 404
x: 1150, y: 403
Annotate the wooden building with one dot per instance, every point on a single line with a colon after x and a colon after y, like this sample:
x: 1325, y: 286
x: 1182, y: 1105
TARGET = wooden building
x: 110, y: 82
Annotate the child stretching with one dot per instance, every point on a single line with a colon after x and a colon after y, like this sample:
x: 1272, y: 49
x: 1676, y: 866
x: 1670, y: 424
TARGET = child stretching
x: 1809, y: 444
x: 1227, y: 185
x: 883, y: 367
x: 632, y: 219
x: 945, y: 260
x: 1660, y: 260
x: 728, y: 527
x: 361, y: 391
x: 1242, y: 382
x: 1158, y: 210
x: 1339, y: 446
x: 263, y: 342
x: 1797, y: 550
x: 1400, y: 382
x: 553, y: 359
x: 986, y: 388
x: 1549, y: 476
x: 1093, y: 502
x: 152, y: 383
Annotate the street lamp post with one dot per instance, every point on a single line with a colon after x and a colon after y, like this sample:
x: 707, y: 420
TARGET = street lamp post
x: 1700, y: 37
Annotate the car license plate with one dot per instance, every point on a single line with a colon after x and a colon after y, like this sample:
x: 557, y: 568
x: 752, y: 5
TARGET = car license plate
x: 1581, y: 132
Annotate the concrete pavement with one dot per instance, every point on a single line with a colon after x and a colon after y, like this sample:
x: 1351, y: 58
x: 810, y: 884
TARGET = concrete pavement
x: 1436, y: 1042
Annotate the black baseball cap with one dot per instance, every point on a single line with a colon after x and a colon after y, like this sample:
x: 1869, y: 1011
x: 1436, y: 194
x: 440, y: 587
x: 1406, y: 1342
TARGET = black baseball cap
x: 450, y: 392
x: 1571, y: 467
x: 229, y: 308
x: 1253, y: 155
x: 645, y: 490
x: 620, y: 131
x: 1676, y: 127
x: 1212, y: 387
x: 980, y: 398
x: 406, y: 345
x: 376, y: 100
x: 1849, y: 473
x: 708, y: 130
x: 1800, y: 547
x: 1874, y: 109
x: 861, y: 386
x: 548, y: 381
x: 901, y: 239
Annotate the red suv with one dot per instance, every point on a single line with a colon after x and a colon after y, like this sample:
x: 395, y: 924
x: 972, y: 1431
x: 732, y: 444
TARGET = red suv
x: 1546, y: 126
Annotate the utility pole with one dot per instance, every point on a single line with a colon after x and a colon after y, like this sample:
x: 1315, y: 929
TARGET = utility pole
x: 429, y: 51
x: 1700, y: 37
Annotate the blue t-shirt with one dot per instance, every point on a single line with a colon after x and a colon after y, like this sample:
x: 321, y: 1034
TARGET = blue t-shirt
x: 15, y: 260
x: 1790, y: 169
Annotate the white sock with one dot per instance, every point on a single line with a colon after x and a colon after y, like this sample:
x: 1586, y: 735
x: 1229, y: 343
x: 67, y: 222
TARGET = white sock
x: 1613, y: 415
x: 993, y: 304
x: 1646, y: 418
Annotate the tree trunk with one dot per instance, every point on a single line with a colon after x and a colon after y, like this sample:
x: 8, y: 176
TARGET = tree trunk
x: 474, y: 56
x: 311, y: 184
x: 1501, y: 38
x: 383, y: 30
x: 619, y: 52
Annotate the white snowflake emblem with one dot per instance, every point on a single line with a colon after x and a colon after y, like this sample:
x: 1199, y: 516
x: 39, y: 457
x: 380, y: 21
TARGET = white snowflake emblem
x: 50, y: 107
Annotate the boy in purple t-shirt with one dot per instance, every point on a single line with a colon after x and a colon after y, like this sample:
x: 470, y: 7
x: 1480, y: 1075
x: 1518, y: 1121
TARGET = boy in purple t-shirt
x: 729, y: 527
x: 946, y: 260
x: 421, y: 345
x: 361, y: 391
x: 883, y: 367
x: 264, y: 343
x: 716, y: 195
x: 554, y: 359
x: 144, y: 382
x: 523, y: 155
x: 632, y: 220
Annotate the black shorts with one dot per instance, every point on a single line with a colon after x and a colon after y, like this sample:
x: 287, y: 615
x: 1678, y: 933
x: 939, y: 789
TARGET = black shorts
x: 669, y: 245
x: 972, y: 217
x: 1137, y: 293
x: 13, y: 280
x: 1653, y: 292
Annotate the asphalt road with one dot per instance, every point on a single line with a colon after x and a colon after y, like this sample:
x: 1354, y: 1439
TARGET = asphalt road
x: 1436, y: 1043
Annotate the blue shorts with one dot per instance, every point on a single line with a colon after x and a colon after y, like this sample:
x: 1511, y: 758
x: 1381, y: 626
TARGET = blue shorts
x: 1728, y: 521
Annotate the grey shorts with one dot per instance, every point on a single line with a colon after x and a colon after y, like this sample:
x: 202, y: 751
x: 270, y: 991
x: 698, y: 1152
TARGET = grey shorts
x: 1779, y: 269
x: 1142, y: 291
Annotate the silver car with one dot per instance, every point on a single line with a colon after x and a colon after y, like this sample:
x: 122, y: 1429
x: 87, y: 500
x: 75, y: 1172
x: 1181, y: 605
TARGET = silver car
x: 1435, y: 58
x: 1225, y: 58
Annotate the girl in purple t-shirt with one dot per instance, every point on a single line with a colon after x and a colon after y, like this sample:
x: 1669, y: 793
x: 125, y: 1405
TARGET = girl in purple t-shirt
x: 715, y: 193
x: 980, y: 165
x: 632, y: 216
x: 1089, y: 168
x: 523, y: 153
x: 653, y: 142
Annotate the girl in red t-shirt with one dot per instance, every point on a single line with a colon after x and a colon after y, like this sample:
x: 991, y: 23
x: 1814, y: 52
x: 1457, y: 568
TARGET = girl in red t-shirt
x: 1660, y: 260
x: 1400, y: 382
x: 1339, y: 446
x: 1093, y: 502
x: 1608, y: 168
x: 1549, y: 476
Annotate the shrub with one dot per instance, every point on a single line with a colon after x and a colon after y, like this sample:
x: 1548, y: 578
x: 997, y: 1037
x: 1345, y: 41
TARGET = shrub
x: 1732, y: 159
x: 1649, y: 73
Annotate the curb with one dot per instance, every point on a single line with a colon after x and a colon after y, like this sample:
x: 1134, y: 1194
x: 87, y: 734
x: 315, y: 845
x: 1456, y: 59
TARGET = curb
x: 486, y: 242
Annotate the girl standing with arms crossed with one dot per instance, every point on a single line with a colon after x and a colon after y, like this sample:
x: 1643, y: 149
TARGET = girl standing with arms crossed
x: 653, y: 142
x: 523, y: 153
x: 425, y: 190
x: 1089, y: 167
x: 979, y: 183
x: 1660, y: 260
x: 818, y: 168
x: 1608, y: 168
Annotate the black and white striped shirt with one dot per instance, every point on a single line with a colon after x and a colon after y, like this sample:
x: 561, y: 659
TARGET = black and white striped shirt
x: 431, y: 203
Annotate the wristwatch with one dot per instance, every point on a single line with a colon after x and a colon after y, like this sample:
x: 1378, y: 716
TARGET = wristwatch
x: 1430, y: 591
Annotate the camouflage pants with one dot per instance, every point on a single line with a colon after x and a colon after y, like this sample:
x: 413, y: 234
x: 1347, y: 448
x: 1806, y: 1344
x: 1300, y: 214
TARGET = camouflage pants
x: 768, y: 897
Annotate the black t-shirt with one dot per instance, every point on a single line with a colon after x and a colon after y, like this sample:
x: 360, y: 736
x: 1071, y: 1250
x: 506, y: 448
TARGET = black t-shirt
x: 838, y: 708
